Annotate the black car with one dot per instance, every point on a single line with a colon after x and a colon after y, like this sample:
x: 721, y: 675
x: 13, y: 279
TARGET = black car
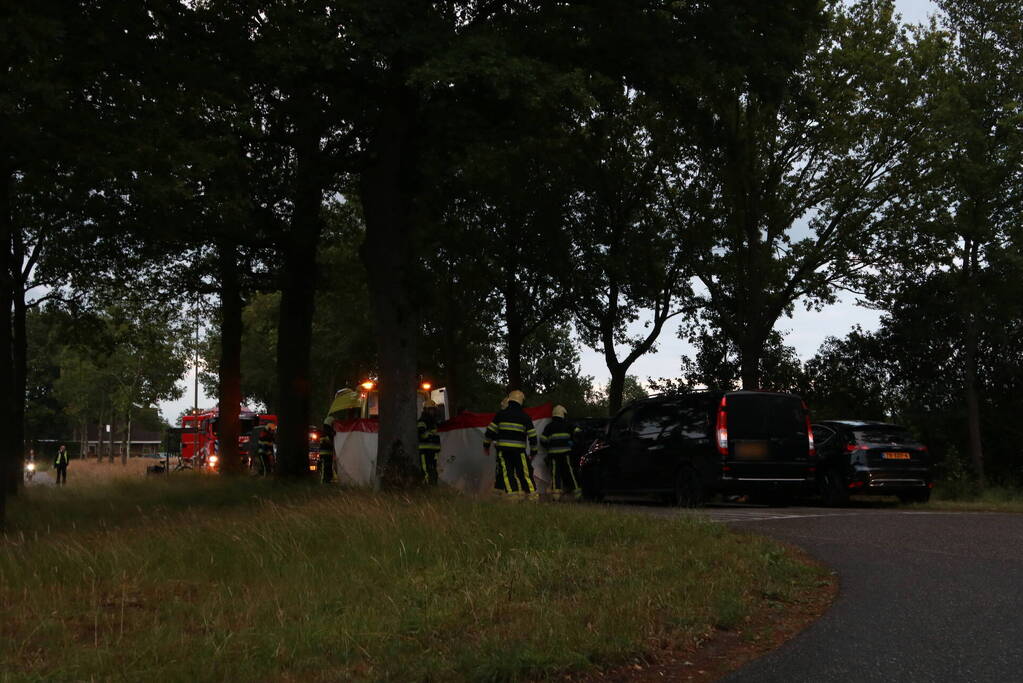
x: 863, y: 457
x: 686, y: 446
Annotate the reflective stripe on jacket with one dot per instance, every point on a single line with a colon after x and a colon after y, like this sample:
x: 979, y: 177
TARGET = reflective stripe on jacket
x: 511, y: 428
x: 430, y: 439
x: 326, y: 447
x: 557, y: 436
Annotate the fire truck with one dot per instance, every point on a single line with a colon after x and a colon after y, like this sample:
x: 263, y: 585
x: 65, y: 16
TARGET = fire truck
x: 200, y: 447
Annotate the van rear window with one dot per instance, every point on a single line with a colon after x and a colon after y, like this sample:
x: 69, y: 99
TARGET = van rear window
x: 883, y: 435
x: 764, y: 416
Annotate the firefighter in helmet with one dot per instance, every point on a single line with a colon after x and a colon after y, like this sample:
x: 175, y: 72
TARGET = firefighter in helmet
x: 265, y: 447
x: 557, y: 439
x: 326, y: 448
x: 512, y: 429
x: 429, y: 442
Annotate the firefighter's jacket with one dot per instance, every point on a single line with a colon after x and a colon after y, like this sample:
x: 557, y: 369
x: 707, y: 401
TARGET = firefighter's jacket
x: 557, y: 436
x: 61, y: 458
x: 429, y: 438
x: 511, y: 428
x: 326, y: 447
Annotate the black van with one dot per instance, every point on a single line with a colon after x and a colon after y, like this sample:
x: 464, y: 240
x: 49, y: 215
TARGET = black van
x: 687, y: 446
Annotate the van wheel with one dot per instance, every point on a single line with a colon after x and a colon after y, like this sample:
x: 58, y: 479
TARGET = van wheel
x: 589, y: 482
x: 688, y: 491
x: 833, y: 489
x: 915, y: 497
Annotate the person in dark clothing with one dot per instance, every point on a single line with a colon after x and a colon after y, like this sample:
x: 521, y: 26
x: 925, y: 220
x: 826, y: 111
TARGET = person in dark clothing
x: 557, y: 439
x: 327, y: 452
x: 512, y: 428
x: 429, y: 442
x: 265, y: 448
x: 60, y: 464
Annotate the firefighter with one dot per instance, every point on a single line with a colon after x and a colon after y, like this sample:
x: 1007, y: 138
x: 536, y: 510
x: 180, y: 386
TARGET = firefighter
x: 557, y: 439
x: 60, y: 465
x: 429, y: 442
x: 265, y: 448
x: 327, y: 451
x: 512, y: 428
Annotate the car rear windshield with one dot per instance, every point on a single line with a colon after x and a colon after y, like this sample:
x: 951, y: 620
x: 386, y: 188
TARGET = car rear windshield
x: 882, y: 434
x: 764, y: 416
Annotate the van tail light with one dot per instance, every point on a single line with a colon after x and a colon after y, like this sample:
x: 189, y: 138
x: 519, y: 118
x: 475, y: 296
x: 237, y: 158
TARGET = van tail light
x: 722, y: 429
x: 812, y: 452
x: 849, y: 448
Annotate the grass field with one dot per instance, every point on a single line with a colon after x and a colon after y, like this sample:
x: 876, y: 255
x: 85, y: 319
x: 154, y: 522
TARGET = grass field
x: 193, y: 578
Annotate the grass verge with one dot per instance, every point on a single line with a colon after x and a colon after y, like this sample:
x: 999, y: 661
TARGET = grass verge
x: 990, y: 499
x: 199, y: 579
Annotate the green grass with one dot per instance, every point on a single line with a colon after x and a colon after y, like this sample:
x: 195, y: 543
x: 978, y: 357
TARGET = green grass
x: 972, y: 498
x: 199, y: 579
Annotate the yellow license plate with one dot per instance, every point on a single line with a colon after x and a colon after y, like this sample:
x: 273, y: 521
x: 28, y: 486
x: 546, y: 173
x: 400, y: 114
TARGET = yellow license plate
x: 896, y: 456
x: 752, y: 450
x: 312, y: 468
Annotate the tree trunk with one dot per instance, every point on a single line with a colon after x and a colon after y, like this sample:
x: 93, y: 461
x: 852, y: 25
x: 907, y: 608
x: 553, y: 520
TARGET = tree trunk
x: 295, y: 325
x: 616, y: 389
x: 972, y: 400
x: 387, y: 191
x: 110, y: 444
x: 127, y: 438
x: 20, y: 368
x: 750, y: 352
x: 6, y: 328
x: 230, y: 371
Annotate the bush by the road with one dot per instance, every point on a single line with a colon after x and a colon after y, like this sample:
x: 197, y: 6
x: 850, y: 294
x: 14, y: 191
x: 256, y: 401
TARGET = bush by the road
x: 200, y: 579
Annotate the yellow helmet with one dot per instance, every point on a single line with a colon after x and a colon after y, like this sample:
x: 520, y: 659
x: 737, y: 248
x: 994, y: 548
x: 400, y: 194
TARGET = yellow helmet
x: 517, y: 396
x: 559, y: 411
x: 429, y: 403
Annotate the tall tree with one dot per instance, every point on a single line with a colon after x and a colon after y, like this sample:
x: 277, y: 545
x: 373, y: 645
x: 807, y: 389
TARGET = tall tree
x: 970, y: 171
x: 627, y: 262
x: 793, y: 160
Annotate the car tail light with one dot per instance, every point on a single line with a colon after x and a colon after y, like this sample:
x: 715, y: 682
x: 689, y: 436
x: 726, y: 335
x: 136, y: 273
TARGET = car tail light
x: 850, y: 447
x: 722, y: 429
x: 812, y: 452
x: 856, y: 484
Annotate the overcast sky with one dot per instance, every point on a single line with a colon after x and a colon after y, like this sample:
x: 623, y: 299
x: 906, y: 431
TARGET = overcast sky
x: 805, y: 331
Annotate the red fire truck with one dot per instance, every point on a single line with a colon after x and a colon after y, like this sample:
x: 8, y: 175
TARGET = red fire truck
x: 199, y: 435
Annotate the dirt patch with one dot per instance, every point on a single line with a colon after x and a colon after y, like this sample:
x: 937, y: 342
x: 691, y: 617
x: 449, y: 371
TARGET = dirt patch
x: 772, y: 624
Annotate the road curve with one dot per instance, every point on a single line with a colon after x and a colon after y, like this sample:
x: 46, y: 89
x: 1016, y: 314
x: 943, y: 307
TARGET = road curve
x: 923, y: 596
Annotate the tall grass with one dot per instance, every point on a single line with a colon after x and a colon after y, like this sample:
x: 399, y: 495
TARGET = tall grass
x: 204, y: 580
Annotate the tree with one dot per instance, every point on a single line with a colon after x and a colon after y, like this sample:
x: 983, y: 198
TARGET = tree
x: 626, y: 259
x: 792, y: 167
x: 968, y: 178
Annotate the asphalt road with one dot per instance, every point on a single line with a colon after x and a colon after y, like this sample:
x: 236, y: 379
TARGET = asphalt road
x: 923, y: 596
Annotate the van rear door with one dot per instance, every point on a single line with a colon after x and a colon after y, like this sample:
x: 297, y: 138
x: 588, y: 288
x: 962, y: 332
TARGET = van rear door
x: 767, y: 437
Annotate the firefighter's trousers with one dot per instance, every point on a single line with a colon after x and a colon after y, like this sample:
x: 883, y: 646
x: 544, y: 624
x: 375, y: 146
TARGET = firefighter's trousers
x: 428, y: 464
x: 327, y: 468
x: 514, y: 473
x: 562, y: 474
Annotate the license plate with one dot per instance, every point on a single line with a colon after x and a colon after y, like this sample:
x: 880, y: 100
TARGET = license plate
x: 752, y: 450
x: 896, y: 456
x: 312, y: 468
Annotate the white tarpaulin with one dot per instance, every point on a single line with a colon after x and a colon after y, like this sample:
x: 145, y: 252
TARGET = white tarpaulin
x: 462, y: 463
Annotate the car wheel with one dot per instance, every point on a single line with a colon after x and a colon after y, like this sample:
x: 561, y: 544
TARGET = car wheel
x: 915, y: 497
x: 688, y: 491
x: 833, y: 489
x: 590, y: 484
